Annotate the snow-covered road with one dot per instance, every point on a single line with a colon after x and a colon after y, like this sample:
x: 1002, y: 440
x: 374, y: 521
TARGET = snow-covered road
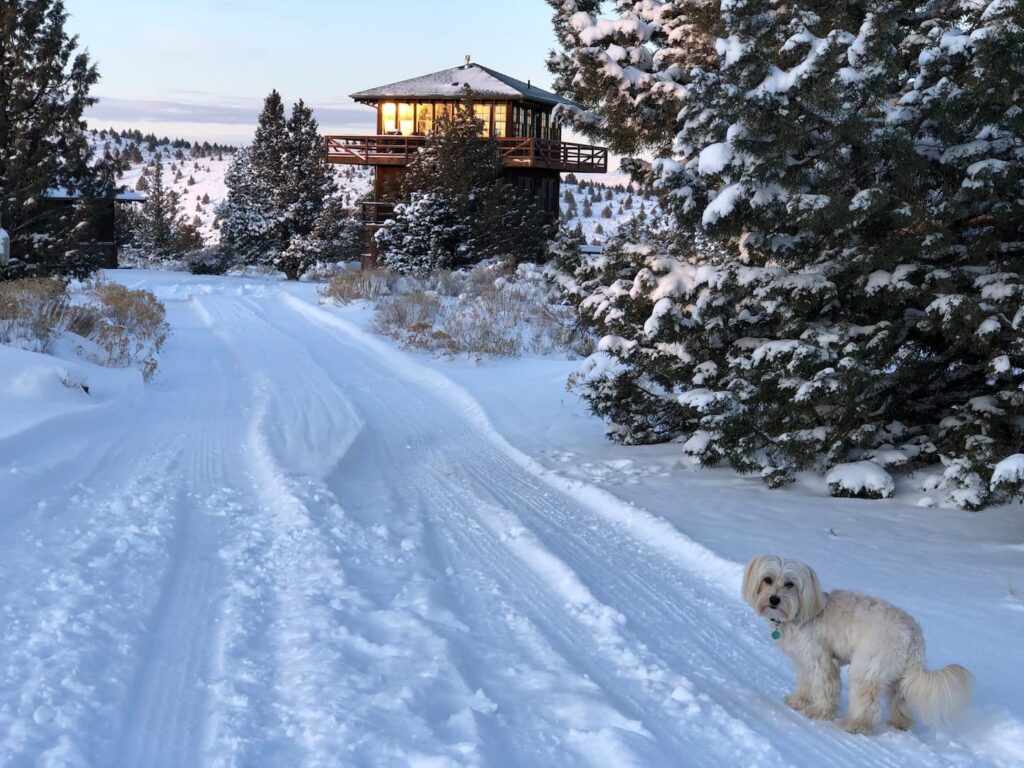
x: 306, y: 549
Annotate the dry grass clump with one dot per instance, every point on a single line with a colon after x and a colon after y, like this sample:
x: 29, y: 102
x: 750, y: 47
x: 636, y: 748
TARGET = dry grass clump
x: 32, y: 312
x: 407, y: 313
x: 132, y: 328
x: 128, y: 326
x: 494, y: 315
x: 355, y: 284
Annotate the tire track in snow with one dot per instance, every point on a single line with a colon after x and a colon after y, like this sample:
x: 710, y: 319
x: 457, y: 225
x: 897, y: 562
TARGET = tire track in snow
x: 88, y: 562
x: 583, y: 629
x: 717, y: 628
x: 168, y: 708
x: 347, y: 673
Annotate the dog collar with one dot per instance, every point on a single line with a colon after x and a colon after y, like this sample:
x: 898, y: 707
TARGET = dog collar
x: 775, y: 632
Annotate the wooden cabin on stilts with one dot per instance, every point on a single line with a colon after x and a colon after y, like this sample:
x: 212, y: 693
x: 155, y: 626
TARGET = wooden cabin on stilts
x: 520, y: 117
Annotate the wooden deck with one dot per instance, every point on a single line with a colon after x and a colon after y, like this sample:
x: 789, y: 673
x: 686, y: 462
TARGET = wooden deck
x: 561, y: 156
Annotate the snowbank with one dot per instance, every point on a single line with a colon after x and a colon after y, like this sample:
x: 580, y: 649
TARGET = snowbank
x: 860, y: 480
x: 35, y: 387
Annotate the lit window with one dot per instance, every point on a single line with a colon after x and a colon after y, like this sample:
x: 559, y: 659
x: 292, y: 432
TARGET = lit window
x: 406, y: 116
x: 387, y: 117
x: 441, y: 109
x: 482, y: 112
x: 499, y: 119
x: 424, y: 118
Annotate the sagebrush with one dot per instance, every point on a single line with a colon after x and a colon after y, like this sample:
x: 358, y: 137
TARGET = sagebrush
x: 128, y: 326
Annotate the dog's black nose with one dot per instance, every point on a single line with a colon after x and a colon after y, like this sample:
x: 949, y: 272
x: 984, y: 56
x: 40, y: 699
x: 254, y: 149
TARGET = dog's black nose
x: 774, y: 600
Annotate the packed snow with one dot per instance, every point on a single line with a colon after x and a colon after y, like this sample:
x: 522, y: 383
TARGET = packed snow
x: 301, y: 545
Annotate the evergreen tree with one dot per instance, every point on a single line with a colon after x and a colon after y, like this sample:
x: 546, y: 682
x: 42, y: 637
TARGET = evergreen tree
x: 308, y: 184
x: 247, y: 215
x: 428, y: 232
x: 336, y: 237
x: 857, y: 296
x: 160, y: 227
x: 44, y: 90
x: 277, y: 190
x: 455, y: 161
x: 459, y: 208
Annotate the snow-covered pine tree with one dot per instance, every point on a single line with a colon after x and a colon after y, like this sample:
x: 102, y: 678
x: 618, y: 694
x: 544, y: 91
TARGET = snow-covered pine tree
x: 508, y: 224
x: 966, y: 104
x: 277, y: 189
x: 253, y: 211
x: 428, y: 232
x: 247, y: 215
x: 44, y: 90
x: 432, y: 229
x: 455, y: 161
x: 308, y: 184
x: 861, y: 298
x: 270, y: 144
x: 160, y: 227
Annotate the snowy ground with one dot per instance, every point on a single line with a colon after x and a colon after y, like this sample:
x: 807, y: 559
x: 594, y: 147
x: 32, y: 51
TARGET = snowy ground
x: 300, y: 546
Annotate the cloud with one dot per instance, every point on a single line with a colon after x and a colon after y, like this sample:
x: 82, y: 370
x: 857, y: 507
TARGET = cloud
x: 170, y: 111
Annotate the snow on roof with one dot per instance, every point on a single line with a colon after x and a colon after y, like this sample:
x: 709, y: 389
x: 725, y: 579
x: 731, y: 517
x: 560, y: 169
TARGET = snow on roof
x: 123, y: 195
x: 451, y: 84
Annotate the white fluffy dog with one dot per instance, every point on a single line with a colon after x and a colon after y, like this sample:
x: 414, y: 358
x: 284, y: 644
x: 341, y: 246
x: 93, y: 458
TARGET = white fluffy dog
x: 883, y: 645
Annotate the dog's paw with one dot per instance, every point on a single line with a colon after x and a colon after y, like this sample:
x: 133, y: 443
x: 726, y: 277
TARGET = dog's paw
x: 901, y: 722
x: 799, y: 703
x: 818, y: 712
x: 854, y: 725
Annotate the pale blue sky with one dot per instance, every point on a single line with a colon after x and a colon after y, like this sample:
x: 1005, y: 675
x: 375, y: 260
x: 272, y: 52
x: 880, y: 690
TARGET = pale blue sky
x: 200, y: 68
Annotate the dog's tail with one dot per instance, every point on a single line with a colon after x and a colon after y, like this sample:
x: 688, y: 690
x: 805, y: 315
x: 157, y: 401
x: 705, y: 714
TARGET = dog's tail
x: 938, y: 697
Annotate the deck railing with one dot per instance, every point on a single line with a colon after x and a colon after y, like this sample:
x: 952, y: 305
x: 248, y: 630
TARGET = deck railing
x: 515, y: 152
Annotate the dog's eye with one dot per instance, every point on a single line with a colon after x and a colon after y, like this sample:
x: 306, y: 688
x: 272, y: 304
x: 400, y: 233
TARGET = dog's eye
x: 789, y: 583
x: 768, y: 580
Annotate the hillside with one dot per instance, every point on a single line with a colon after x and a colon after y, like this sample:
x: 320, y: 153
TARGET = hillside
x: 196, y: 171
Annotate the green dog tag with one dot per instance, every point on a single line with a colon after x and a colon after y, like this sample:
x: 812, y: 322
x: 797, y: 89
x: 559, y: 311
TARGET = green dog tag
x: 776, y: 635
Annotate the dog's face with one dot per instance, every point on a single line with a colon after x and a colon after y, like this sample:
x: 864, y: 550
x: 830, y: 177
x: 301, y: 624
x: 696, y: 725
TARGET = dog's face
x: 787, y: 590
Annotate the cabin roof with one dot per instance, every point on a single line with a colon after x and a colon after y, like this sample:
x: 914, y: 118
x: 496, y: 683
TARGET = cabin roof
x: 451, y: 84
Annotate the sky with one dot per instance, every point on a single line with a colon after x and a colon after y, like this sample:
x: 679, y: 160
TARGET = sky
x: 199, y: 69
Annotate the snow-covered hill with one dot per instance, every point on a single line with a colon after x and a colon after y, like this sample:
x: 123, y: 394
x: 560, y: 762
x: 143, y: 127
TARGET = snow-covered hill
x: 600, y: 210
x: 196, y: 171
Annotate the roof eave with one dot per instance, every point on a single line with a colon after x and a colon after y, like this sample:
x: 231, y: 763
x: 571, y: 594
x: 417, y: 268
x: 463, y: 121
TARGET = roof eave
x: 371, y: 100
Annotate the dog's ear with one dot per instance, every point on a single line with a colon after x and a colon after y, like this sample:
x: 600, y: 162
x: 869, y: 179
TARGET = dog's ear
x: 751, y: 578
x: 812, y: 598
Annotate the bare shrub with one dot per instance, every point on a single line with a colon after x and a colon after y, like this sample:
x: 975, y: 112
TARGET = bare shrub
x: 489, y: 323
x: 443, y: 282
x: 494, y: 313
x: 410, y: 313
x: 132, y: 328
x: 355, y: 284
x: 32, y: 312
